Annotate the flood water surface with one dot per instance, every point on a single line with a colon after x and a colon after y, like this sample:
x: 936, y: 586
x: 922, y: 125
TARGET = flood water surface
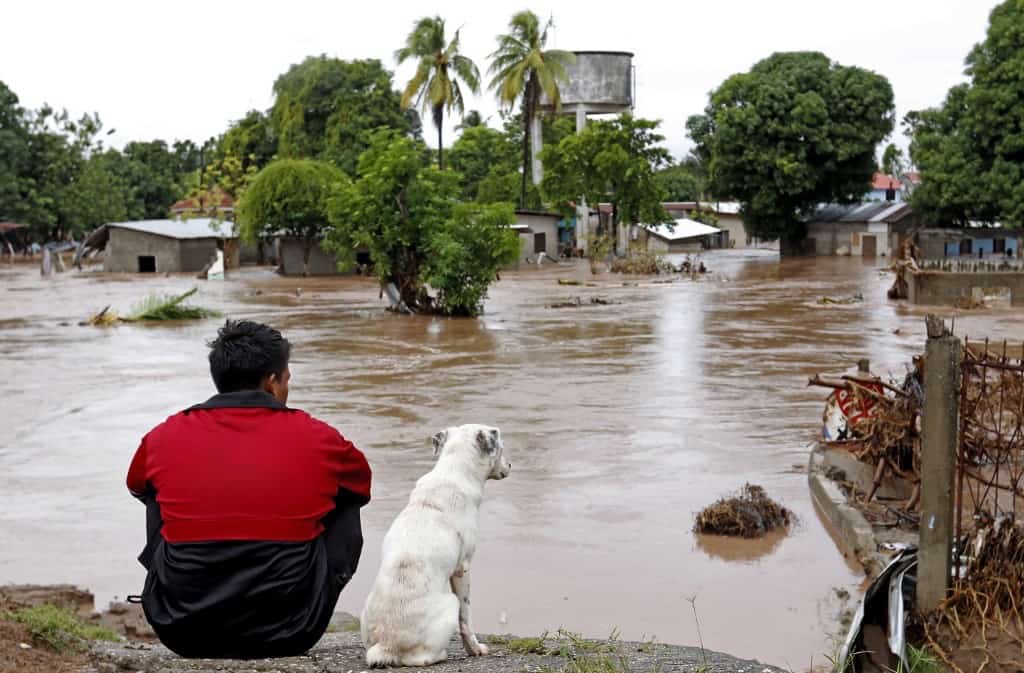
x: 621, y: 422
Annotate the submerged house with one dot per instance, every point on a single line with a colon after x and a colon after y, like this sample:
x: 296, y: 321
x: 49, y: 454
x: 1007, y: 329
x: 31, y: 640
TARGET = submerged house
x: 683, y: 236
x: 162, y: 246
x: 538, y: 232
x: 872, y: 229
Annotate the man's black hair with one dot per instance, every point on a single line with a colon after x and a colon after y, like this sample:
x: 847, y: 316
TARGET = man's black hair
x: 244, y: 353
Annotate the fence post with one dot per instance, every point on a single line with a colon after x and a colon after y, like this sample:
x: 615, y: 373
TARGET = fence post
x: 939, y: 438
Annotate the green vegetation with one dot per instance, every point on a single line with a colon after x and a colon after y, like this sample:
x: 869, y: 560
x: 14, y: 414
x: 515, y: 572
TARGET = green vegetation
x: 614, y: 161
x: 59, y: 628
x: 290, y: 197
x: 163, y: 307
x: 970, y: 150
x: 514, y: 645
x: 438, y: 71
x: 523, y: 69
x: 406, y: 215
x: 796, y: 131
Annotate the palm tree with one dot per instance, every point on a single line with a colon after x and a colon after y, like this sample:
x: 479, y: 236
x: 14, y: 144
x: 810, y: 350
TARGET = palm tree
x: 435, y: 86
x: 521, y: 67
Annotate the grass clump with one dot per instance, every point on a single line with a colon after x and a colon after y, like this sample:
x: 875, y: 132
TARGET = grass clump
x: 59, y: 629
x: 168, y: 307
x: 521, y: 645
x: 749, y: 513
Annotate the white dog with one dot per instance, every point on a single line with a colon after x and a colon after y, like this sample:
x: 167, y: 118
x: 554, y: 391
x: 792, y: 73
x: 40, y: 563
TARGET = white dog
x: 421, y: 594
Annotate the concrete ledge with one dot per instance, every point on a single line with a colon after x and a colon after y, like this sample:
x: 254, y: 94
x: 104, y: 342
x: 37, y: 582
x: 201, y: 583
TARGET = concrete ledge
x: 855, y: 535
x: 343, y: 653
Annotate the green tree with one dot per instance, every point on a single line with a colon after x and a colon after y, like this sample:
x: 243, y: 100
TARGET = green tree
x: 684, y: 181
x: 465, y: 253
x: 97, y: 196
x: 615, y: 161
x: 290, y: 197
x: 14, y: 153
x: 970, y: 151
x: 404, y: 212
x: 523, y: 69
x: 479, y: 152
x: 796, y: 131
x: 251, y: 139
x: 152, y: 172
x: 326, y: 108
x: 440, y: 67
x: 470, y: 120
x: 892, y: 160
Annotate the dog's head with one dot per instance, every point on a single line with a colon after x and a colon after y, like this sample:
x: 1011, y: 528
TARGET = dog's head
x: 479, y: 443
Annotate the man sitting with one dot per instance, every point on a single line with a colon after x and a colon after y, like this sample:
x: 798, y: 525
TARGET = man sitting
x: 252, y: 511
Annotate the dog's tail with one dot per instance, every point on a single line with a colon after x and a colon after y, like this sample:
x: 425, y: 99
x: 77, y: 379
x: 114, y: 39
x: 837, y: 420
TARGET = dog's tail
x: 378, y: 657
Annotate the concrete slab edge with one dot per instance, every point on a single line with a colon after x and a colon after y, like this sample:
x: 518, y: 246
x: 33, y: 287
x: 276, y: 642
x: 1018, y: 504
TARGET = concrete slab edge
x: 854, y: 534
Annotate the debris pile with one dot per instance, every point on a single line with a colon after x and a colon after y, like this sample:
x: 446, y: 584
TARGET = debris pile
x: 577, y: 302
x: 750, y: 513
x: 841, y: 301
x: 983, y: 614
x: 878, y: 423
x: 154, y: 308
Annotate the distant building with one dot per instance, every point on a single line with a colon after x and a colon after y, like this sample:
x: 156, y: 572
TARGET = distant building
x: 162, y: 246
x: 321, y: 262
x: 978, y: 242
x: 862, y: 230
x: 212, y: 203
x: 885, y: 188
x: 538, y: 232
x: 682, y: 236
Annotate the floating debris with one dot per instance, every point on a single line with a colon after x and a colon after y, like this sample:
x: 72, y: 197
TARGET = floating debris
x: 750, y: 513
x: 577, y: 302
x: 154, y: 308
x: 853, y: 299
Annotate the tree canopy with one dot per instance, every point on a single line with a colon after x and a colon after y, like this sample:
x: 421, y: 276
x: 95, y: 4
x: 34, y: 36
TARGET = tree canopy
x: 481, y: 152
x: 326, y: 108
x: 405, y: 214
x: 290, y: 197
x: 441, y: 72
x: 523, y: 69
x: 796, y: 131
x: 614, y: 161
x: 970, y: 150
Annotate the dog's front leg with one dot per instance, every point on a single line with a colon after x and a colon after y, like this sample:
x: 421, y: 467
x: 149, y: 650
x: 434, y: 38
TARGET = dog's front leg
x: 460, y: 585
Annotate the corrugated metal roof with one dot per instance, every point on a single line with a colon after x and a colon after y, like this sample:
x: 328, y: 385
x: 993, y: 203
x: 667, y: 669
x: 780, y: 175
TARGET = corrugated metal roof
x: 683, y: 228
x: 872, y: 211
x: 197, y: 227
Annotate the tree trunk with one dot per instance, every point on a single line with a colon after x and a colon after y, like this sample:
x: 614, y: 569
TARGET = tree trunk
x: 307, y: 249
x: 438, y: 114
x: 528, y: 112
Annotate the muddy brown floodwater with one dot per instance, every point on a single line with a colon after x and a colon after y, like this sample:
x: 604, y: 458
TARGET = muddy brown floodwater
x: 621, y: 420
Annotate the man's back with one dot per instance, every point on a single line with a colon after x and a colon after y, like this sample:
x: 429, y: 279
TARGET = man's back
x: 252, y: 511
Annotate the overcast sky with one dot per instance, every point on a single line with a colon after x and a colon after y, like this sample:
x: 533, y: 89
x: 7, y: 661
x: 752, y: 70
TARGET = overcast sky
x: 185, y: 69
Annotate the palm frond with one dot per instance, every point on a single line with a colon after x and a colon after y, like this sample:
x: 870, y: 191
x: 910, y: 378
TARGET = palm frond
x: 467, y: 72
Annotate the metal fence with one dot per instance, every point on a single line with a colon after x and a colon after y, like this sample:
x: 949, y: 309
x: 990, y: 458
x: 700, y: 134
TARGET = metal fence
x: 990, y: 462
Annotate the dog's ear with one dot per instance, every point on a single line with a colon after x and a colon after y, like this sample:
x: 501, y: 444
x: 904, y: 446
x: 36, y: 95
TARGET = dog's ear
x: 438, y: 441
x: 487, y: 440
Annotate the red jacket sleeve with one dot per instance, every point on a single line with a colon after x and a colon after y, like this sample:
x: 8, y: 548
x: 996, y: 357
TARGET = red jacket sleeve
x: 138, y: 475
x: 348, y: 465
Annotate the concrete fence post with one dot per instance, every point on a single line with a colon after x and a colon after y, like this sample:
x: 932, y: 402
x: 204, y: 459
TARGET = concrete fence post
x: 939, y: 437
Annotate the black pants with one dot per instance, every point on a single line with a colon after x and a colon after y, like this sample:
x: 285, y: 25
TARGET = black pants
x: 258, y: 599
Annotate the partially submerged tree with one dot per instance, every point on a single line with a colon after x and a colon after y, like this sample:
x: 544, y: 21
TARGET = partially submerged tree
x: 289, y: 197
x: 614, y: 161
x: 524, y: 69
x: 970, y: 151
x: 406, y: 215
x: 435, y: 86
x: 796, y: 131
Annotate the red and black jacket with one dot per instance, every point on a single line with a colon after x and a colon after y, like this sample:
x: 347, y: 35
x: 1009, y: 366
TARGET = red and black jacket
x: 253, y: 522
